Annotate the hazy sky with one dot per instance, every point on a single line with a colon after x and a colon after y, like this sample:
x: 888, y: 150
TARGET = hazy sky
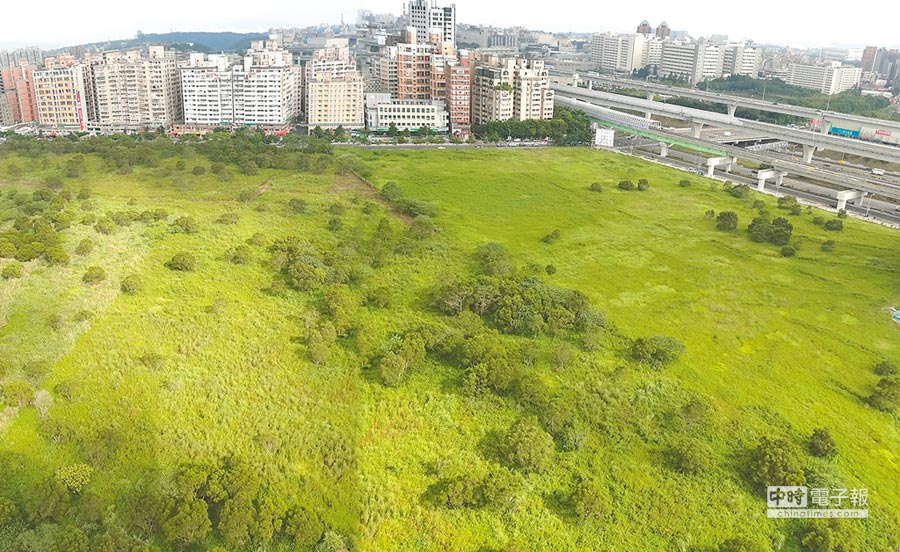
x: 778, y: 21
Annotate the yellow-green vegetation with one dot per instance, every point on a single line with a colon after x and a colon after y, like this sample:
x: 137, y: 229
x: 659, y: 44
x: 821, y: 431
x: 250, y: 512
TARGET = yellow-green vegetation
x: 482, y: 354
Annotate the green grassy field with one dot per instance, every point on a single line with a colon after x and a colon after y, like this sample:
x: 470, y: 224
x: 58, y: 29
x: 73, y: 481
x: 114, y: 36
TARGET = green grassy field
x: 202, y: 366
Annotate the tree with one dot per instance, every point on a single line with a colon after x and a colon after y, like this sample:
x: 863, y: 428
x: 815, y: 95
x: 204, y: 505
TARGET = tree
x: 643, y: 185
x: 303, y: 526
x: 74, y: 477
x: 392, y: 130
x: 341, y: 305
x: 494, y: 260
x: 684, y: 183
x: 333, y: 542
x: 403, y: 357
x: 240, y: 255
x: 727, y: 221
x: 12, y: 270
x: 70, y: 539
x: 885, y: 368
x: 626, y: 185
x: 56, y: 256
x: 821, y: 444
x: 551, y: 237
x: 199, y: 170
x: 9, y: 513
x: 657, y: 351
x: 775, y: 462
x: 182, y: 262
x: 760, y: 230
x: 832, y: 535
x: 828, y: 246
x: 886, y: 396
x: 43, y: 401
x: 190, y: 522
x: 596, y: 187
x: 788, y: 251
x: 94, y: 276
x: 131, y: 285
x: 527, y: 446
x: 741, y: 544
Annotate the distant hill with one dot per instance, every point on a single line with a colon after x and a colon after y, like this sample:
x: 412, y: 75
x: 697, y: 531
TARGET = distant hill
x: 198, y: 41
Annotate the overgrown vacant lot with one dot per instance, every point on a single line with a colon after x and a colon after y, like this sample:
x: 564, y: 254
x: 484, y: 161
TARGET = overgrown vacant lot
x: 279, y: 357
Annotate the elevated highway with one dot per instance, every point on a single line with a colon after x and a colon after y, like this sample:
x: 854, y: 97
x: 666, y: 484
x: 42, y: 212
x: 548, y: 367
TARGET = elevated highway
x: 698, y: 117
x: 794, y: 168
x: 832, y: 118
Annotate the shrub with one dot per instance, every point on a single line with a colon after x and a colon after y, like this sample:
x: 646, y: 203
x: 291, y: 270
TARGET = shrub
x: 741, y: 544
x: 182, y: 262
x: 12, y: 270
x: 834, y: 225
x: 257, y: 240
x: 7, y: 250
x: 590, y: 498
x: 788, y: 251
x: 842, y: 214
x: 626, y: 185
x: 74, y: 477
x: 56, y: 256
x: 709, y: 214
x: 685, y: 183
x: 656, y: 351
x: 131, y: 285
x: 885, y: 368
x: 240, y: 255
x: 550, y: 270
x: 199, y: 170
x: 247, y: 195
x: 303, y: 526
x: 297, y: 206
x: 249, y: 168
x: 596, y: 187
x: 796, y: 210
x: 94, y: 275
x: 187, y: 225
x: 335, y: 224
x: 818, y: 221
x: 832, y: 535
x: 821, y: 444
x: 727, y: 221
x: 85, y: 247
x: 775, y: 462
x: 759, y: 204
x: 105, y: 226
x: 643, y: 185
x: 828, y: 246
x: 739, y: 191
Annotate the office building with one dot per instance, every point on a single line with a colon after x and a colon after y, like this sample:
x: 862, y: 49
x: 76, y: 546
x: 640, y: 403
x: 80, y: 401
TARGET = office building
x: 427, y: 17
x: 382, y: 112
x: 740, y: 59
x: 829, y: 79
x: 692, y: 61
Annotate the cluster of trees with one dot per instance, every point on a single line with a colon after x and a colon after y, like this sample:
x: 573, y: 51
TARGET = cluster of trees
x: 410, y: 207
x: 39, y: 218
x: 568, y: 127
x: 642, y: 185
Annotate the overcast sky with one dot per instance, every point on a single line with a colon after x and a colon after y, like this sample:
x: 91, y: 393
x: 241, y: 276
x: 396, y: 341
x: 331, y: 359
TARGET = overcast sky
x: 776, y: 21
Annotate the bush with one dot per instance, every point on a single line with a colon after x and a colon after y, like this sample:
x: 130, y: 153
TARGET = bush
x: 74, y: 477
x: 742, y: 544
x: 240, y: 255
x: 643, y: 185
x: 590, y: 498
x: 228, y: 218
x: 842, y: 214
x: 626, y: 185
x: 527, y: 446
x: 199, y: 170
x: 834, y: 225
x: 247, y: 195
x: 832, y: 535
x: 187, y: 225
x: 689, y: 458
x: 656, y: 351
x: 12, y: 270
x: 85, y: 247
x: 788, y: 251
x: 550, y: 270
x: 759, y: 204
x: 685, y: 183
x: 596, y: 187
x: 182, y: 262
x: 551, y: 237
x: 885, y: 368
x: 818, y: 221
x: 821, y: 444
x: 131, y: 285
x: 775, y: 462
x: 297, y: 206
x: 739, y: 191
x: 727, y: 221
x: 828, y: 246
x: 335, y: 224
x: 94, y: 275
x: 56, y: 256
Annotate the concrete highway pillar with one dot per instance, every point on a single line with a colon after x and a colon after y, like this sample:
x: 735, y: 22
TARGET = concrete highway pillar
x: 731, y: 110
x: 650, y: 95
x: 663, y: 149
x: 779, y: 180
x: 842, y: 204
x: 808, y: 153
x: 711, y: 171
x: 761, y: 187
x: 696, y: 128
x: 732, y: 161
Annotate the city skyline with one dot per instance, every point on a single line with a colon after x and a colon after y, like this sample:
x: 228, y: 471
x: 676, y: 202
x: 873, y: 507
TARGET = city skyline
x: 793, y: 26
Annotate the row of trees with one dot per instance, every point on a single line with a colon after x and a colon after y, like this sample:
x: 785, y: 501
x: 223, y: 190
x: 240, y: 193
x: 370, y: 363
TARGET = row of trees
x: 567, y: 128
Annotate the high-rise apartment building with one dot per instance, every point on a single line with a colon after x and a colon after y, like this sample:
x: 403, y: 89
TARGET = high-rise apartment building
x: 693, y: 61
x: 17, y: 84
x: 60, y: 95
x: 132, y: 92
x: 644, y: 28
x: 261, y: 90
x: 868, y: 58
x: 414, y: 69
x: 512, y: 88
x: 427, y: 17
x: 334, y: 90
x: 663, y: 31
x: 741, y: 59
x: 14, y: 58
